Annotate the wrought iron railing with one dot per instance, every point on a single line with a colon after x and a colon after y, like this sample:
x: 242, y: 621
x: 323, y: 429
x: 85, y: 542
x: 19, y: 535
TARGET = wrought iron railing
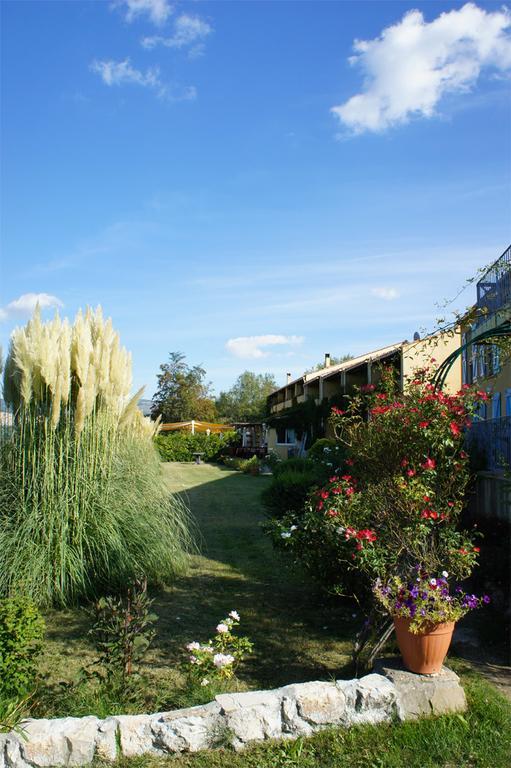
x: 489, y: 442
x: 494, y: 287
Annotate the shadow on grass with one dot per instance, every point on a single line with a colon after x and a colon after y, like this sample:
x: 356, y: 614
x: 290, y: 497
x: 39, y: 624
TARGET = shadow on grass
x: 298, y: 634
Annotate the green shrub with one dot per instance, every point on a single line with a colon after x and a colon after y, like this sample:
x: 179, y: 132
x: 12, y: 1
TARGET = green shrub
x: 180, y: 446
x: 122, y: 632
x: 327, y: 456
x: 21, y: 634
x: 250, y: 466
x: 295, y: 464
x: 84, y: 504
x: 288, y: 492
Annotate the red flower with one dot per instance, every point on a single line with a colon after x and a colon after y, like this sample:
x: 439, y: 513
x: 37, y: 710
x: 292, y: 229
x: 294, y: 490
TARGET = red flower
x: 477, y: 549
x: 429, y: 464
x: 423, y: 424
x: 349, y: 462
x: 410, y: 472
x: 455, y: 430
x: 381, y: 396
x: 426, y: 498
x: 337, y: 411
x: 404, y: 462
x: 350, y: 491
x: 367, y: 388
x: 320, y: 506
x: 324, y: 495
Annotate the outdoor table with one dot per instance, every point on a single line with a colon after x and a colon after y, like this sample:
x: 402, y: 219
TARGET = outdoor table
x: 197, y: 456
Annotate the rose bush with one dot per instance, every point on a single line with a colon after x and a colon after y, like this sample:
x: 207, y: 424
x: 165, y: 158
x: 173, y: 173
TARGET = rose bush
x: 217, y: 660
x: 397, y: 500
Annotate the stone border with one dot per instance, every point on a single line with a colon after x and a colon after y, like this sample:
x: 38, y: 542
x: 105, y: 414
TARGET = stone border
x: 237, y: 719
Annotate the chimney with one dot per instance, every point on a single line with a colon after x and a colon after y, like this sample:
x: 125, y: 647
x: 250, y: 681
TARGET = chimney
x: 288, y: 378
x: 327, y: 360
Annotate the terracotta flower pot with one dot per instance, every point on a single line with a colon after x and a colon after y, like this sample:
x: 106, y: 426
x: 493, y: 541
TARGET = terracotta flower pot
x: 423, y: 653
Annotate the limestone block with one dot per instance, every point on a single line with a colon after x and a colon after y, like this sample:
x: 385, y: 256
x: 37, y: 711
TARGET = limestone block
x: 12, y: 753
x: 317, y: 703
x: 372, y: 699
x: 135, y: 734
x: 424, y: 694
x: 106, y: 740
x: 251, y: 716
x: 292, y: 723
x: 63, y: 741
x: 188, y: 730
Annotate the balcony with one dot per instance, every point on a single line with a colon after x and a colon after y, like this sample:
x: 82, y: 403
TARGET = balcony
x: 494, y: 288
x: 489, y: 443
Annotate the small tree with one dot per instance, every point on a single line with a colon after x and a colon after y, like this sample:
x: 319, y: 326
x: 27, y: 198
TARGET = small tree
x: 182, y: 392
x: 246, y: 400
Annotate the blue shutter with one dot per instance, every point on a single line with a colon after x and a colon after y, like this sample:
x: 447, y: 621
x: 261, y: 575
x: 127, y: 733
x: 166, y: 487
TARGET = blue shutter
x: 508, y: 402
x: 496, y: 410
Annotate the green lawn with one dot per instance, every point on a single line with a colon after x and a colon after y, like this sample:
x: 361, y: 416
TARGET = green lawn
x: 297, y: 636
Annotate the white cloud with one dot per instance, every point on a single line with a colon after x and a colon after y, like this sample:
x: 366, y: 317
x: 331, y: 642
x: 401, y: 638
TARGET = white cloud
x: 158, y: 11
x: 385, y: 293
x: 121, y: 73
x: 252, y: 346
x: 25, y: 304
x: 188, y: 31
x: 413, y: 63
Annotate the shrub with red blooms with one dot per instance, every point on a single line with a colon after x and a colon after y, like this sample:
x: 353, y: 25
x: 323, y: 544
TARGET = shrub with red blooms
x: 407, y: 479
x: 397, y: 500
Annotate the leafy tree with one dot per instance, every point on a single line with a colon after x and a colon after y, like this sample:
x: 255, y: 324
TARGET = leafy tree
x: 182, y: 393
x: 333, y: 361
x: 246, y: 400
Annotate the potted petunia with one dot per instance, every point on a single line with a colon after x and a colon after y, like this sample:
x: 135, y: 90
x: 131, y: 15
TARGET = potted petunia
x: 424, y: 611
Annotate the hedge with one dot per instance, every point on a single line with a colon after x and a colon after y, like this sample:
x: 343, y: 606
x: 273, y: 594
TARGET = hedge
x: 180, y: 446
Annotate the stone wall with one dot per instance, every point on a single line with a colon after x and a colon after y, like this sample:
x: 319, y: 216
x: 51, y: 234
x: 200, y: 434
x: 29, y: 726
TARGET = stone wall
x: 237, y: 719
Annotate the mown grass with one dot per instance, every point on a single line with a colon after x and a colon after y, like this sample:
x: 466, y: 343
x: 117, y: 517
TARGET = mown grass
x: 297, y: 634
x: 481, y: 738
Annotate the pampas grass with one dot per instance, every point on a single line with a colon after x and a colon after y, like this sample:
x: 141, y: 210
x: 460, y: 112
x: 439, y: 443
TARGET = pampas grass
x: 84, y: 506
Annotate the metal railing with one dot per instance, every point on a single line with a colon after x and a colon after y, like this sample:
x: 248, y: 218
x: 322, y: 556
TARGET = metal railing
x: 494, y: 287
x: 489, y: 442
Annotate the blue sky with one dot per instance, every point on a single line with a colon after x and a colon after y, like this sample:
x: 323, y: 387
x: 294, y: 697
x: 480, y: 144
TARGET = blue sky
x: 243, y: 181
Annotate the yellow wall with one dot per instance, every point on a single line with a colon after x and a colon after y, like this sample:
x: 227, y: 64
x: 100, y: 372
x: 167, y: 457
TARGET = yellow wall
x: 418, y: 354
x: 279, y: 449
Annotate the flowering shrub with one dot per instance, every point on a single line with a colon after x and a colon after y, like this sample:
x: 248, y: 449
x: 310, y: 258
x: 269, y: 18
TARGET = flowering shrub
x: 400, y: 501
x: 218, y: 659
x: 425, y: 600
x: 397, y: 498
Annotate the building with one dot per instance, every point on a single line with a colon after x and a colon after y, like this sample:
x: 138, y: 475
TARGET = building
x: 298, y: 411
x: 483, y: 364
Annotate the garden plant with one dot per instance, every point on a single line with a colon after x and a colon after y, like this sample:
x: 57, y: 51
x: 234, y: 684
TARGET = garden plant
x: 395, y: 505
x: 84, y: 506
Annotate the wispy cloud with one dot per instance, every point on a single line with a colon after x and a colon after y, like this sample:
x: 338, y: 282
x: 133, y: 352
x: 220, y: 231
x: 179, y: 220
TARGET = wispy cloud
x: 27, y: 302
x: 188, y: 32
x: 122, y: 73
x: 251, y: 347
x: 157, y: 11
x: 117, y: 73
x: 414, y: 63
x: 389, y: 294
